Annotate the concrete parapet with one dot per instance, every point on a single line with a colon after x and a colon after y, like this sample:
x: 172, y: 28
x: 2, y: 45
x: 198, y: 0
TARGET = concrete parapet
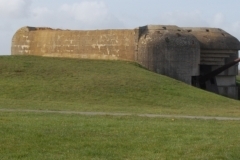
x: 98, y: 44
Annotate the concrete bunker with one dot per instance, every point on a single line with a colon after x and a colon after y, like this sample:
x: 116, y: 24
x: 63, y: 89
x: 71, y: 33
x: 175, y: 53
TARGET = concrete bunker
x: 169, y: 50
x: 217, y: 49
x: 186, y: 54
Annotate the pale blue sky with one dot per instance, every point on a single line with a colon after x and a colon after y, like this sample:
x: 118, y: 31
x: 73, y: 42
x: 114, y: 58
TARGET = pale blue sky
x: 107, y: 14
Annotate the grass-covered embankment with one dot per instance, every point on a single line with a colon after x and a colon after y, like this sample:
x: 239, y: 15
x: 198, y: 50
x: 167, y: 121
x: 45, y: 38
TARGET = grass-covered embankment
x: 238, y: 80
x: 111, y: 86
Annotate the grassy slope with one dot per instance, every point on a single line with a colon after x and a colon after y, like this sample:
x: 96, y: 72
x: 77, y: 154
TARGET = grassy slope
x: 112, y: 86
x: 238, y: 80
x: 82, y: 85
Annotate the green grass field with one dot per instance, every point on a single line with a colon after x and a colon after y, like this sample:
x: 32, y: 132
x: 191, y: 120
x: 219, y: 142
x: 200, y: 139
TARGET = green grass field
x: 39, y: 83
x: 238, y: 80
x: 54, y: 136
x: 110, y: 86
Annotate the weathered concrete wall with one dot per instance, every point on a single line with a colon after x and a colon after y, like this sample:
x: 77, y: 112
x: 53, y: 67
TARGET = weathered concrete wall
x: 217, y: 49
x: 170, y: 51
x: 226, y: 80
x: 96, y: 44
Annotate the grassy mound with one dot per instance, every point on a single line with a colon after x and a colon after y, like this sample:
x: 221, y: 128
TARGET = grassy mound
x: 112, y: 86
x: 108, y: 86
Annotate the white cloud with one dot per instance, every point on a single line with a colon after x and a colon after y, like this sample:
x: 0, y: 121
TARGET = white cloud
x: 183, y: 19
x: 89, y: 15
x: 234, y: 29
x: 87, y: 12
x: 5, y: 45
x: 236, y: 26
x: 15, y: 8
x: 218, y: 20
x: 82, y: 15
x: 40, y: 12
x: 5, y: 27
